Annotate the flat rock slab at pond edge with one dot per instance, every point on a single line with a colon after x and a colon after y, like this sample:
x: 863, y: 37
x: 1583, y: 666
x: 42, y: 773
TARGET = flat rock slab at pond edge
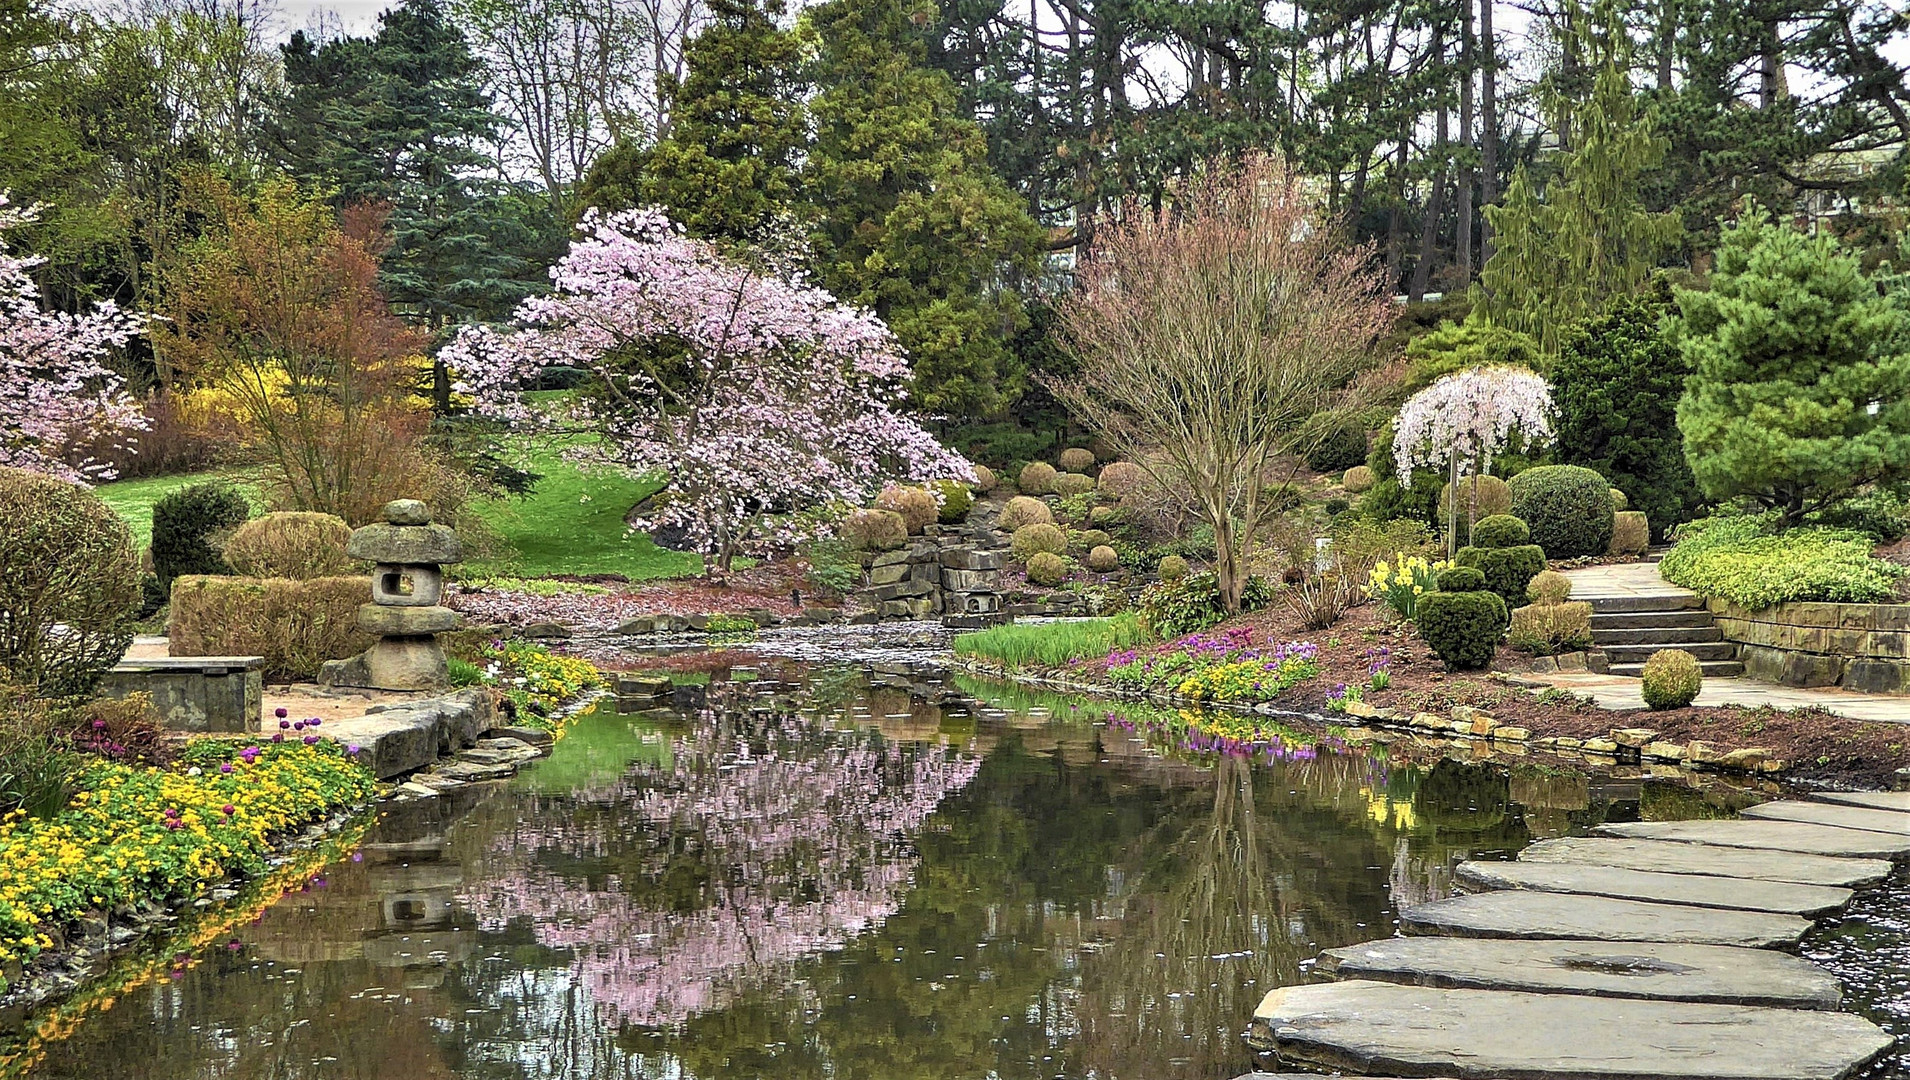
x: 1699, y: 890
x: 1374, y: 1028
x: 1701, y: 973
x: 1891, y: 822
x: 1875, y: 800
x: 1522, y: 914
x: 1768, y: 836
x: 1667, y: 857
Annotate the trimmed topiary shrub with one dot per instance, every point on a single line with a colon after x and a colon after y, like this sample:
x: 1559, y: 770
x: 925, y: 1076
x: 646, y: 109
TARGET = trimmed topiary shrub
x: 1037, y: 478
x: 1567, y: 507
x: 1500, y: 531
x: 1462, y: 625
x: 985, y: 479
x: 1358, y: 479
x: 1076, y: 459
x: 1072, y: 483
x: 290, y: 544
x: 1342, y: 448
x: 1046, y: 567
x: 1103, y: 559
x: 1480, y: 497
x: 1508, y: 571
x: 1548, y: 587
x: 69, y: 585
x: 184, y: 524
x: 1030, y: 540
x: 295, y: 625
x: 1631, y: 533
x: 1551, y: 629
x: 917, y: 508
x: 1087, y: 539
x: 1620, y: 503
x: 1025, y: 510
x: 955, y: 501
x: 1672, y: 679
x: 1172, y: 568
x: 873, y: 530
x: 1120, y: 478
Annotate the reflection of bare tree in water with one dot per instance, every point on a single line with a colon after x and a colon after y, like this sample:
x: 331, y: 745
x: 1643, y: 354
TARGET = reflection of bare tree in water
x: 1244, y: 904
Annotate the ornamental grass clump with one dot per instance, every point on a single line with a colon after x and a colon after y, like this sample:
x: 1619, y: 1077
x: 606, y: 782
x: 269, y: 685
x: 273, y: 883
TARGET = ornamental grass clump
x: 1500, y: 552
x: 1551, y: 629
x: 1030, y: 540
x: 1631, y: 533
x: 1462, y: 621
x: 1671, y: 679
x: 1037, y: 478
x: 1358, y: 480
x: 1054, y: 644
x: 1046, y: 567
x: 873, y: 530
x: 1025, y: 510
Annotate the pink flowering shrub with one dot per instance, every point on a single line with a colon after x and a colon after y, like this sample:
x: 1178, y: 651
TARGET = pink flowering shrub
x: 56, y: 393
x: 764, y: 401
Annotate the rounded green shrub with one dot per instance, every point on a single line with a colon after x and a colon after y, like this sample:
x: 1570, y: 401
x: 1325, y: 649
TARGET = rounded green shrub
x: 917, y: 508
x: 1087, y: 539
x: 1462, y: 628
x: 1508, y: 570
x: 1076, y: 459
x: 1500, y: 531
x: 1479, y: 497
x: 1358, y: 479
x: 185, y: 525
x: 985, y: 479
x: 1120, y: 478
x: 955, y: 501
x: 1459, y: 579
x: 1567, y: 507
x: 1548, y: 587
x: 69, y: 585
x: 1172, y: 568
x: 1025, y: 510
x: 1072, y: 483
x: 1672, y: 679
x: 290, y: 544
x: 1046, y: 567
x: 1631, y: 533
x: 1030, y: 540
x: 1620, y: 503
x: 1342, y: 448
x: 1103, y: 559
x: 1037, y: 478
x: 874, y: 530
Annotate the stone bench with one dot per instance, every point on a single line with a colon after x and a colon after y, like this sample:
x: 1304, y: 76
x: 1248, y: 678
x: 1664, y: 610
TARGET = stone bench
x: 195, y: 693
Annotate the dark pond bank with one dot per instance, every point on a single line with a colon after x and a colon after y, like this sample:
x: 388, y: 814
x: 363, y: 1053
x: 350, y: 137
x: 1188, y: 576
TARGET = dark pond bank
x: 814, y: 877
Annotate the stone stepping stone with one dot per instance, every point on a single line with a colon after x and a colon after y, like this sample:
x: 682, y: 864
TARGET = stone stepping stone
x: 1837, y: 817
x: 1768, y: 836
x: 1664, y: 856
x: 1660, y: 970
x: 1522, y: 914
x: 1875, y: 800
x: 1699, y: 890
x: 1380, y: 1029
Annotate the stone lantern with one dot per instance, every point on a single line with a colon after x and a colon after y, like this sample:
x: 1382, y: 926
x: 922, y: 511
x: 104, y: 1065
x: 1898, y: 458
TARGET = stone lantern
x: 406, y: 585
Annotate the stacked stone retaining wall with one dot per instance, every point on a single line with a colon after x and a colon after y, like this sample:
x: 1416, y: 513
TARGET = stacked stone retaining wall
x: 1862, y: 647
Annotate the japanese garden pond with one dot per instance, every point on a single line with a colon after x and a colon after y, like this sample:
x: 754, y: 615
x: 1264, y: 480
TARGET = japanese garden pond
x: 817, y: 875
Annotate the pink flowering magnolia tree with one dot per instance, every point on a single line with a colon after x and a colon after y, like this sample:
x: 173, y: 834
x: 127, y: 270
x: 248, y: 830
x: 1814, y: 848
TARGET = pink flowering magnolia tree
x: 765, y: 403
x: 1465, y: 418
x: 56, y: 393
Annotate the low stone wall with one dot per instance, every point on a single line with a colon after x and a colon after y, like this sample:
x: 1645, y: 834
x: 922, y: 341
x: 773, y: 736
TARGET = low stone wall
x: 1856, y: 646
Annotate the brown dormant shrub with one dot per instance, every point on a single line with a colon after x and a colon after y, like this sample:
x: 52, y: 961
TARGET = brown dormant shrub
x: 1030, y: 540
x: 1103, y: 559
x: 1025, y: 510
x: 290, y: 544
x: 1076, y: 459
x: 1072, y: 483
x: 916, y: 506
x: 1119, y: 478
x: 874, y: 530
x: 1211, y: 330
x: 1631, y: 532
x: 1037, y: 478
x: 295, y: 625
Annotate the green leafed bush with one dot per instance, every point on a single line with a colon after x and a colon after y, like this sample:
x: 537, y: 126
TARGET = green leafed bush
x: 1567, y: 507
x: 1037, y: 478
x: 1172, y: 568
x: 1025, y: 510
x: 1342, y: 448
x: 1462, y: 628
x: 69, y: 585
x: 955, y: 498
x: 1508, y: 570
x: 1741, y: 559
x: 185, y: 523
x: 1173, y: 608
x: 1460, y: 579
x: 1500, y: 531
x: 1039, y: 538
x: 1672, y: 679
x: 1046, y: 567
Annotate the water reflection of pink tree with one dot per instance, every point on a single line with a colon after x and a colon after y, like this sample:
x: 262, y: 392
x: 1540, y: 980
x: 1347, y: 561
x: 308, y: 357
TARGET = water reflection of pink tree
x: 754, y: 847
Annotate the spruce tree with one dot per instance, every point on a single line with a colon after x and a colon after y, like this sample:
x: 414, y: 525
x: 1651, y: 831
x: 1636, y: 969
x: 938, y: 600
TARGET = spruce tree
x: 911, y: 221
x: 1799, y: 392
x: 726, y: 169
x: 1589, y: 241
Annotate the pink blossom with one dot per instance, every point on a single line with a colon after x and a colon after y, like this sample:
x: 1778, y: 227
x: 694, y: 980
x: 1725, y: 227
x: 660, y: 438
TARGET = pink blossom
x: 1470, y: 415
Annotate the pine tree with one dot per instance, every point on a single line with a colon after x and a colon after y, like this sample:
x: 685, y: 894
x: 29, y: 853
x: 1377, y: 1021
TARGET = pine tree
x: 912, y: 223
x: 1589, y: 241
x: 1799, y: 392
x: 726, y: 169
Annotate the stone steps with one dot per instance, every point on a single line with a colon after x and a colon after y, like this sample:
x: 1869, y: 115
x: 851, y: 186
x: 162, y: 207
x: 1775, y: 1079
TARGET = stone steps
x: 1633, y: 604
x: 1657, y: 637
x: 1711, y: 669
x: 1700, y: 650
x: 1691, y: 618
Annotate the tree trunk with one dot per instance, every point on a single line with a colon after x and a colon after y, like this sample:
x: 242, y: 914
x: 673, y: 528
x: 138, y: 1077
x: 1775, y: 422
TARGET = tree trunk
x: 1226, y: 562
x: 1665, y: 42
x: 1429, y: 228
x: 1488, y: 124
x: 1462, y: 235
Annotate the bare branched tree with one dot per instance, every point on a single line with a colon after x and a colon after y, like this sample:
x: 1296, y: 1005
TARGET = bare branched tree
x: 1218, y: 333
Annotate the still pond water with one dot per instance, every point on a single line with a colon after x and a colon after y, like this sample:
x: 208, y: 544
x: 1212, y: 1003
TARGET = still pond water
x: 817, y: 877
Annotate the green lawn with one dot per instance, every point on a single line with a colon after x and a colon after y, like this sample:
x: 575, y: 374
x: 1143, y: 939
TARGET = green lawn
x: 133, y: 500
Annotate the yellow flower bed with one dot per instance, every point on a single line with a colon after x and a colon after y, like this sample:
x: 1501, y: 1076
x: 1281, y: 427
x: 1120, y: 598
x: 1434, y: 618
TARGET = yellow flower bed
x: 136, y: 832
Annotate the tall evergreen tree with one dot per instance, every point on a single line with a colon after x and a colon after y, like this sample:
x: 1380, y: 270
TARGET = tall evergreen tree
x: 912, y: 222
